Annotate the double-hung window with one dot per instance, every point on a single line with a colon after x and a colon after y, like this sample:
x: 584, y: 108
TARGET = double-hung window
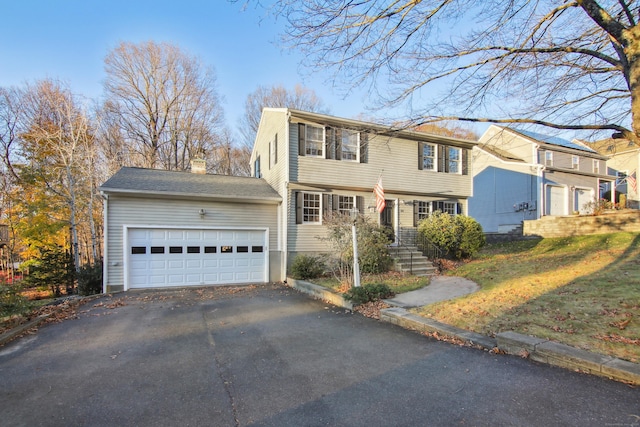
x: 455, y: 160
x: 314, y: 141
x: 548, y: 158
x: 311, y: 208
x: 423, y: 210
x: 349, y: 145
x: 345, y: 204
x: 429, y: 159
x: 575, y: 162
x: 596, y: 166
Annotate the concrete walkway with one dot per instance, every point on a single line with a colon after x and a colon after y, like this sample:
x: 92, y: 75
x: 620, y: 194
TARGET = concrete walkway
x: 441, y: 288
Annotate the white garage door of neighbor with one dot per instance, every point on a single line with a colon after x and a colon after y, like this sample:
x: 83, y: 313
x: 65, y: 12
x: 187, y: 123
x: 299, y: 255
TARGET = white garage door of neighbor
x: 556, y: 200
x: 185, y: 257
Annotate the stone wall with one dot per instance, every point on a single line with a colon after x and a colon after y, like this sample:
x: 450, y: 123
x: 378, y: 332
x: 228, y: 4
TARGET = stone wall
x: 578, y: 225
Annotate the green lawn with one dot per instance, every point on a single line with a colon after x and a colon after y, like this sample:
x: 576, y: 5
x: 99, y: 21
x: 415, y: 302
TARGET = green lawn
x: 581, y: 291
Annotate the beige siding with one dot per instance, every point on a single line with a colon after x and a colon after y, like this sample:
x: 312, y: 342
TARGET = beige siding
x: 516, y: 145
x: 273, y: 125
x: 183, y: 213
x: 395, y: 159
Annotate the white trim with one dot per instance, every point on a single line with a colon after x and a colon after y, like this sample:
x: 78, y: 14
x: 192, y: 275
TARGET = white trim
x: 126, y: 253
x: 105, y: 245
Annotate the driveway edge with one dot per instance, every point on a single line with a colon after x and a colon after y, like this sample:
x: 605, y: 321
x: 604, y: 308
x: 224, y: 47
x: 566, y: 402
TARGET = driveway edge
x: 537, y: 349
x: 319, y: 292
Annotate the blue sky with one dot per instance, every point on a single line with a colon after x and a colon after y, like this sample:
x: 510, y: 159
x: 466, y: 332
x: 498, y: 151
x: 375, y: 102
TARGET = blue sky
x: 68, y: 40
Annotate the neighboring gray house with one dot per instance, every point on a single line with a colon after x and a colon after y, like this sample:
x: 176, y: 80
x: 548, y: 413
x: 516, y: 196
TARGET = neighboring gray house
x: 319, y: 163
x: 165, y: 228
x: 520, y: 175
x: 624, y: 163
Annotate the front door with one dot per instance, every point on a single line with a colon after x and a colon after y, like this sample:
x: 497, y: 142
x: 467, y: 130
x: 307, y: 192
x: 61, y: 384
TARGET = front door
x: 387, y: 219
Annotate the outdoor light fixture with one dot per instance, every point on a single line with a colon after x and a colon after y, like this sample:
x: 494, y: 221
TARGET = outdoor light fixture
x: 202, y: 213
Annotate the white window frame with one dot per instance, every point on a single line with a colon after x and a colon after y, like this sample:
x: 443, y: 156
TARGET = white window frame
x: 596, y: 166
x: 348, y: 200
x: 347, y: 135
x: 314, y: 147
x: 575, y: 162
x: 450, y: 208
x: 433, y: 157
x: 256, y: 167
x: 306, y: 208
x: 425, y: 209
x: 548, y: 158
x: 457, y: 162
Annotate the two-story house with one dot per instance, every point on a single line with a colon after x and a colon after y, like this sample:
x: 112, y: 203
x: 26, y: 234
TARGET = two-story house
x: 168, y: 228
x: 623, y: 161
x: 520, y: 175
x: 319, y: 163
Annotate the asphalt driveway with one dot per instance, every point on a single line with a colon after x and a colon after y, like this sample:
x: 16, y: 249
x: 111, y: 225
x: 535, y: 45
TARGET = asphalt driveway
x: 268, y: 356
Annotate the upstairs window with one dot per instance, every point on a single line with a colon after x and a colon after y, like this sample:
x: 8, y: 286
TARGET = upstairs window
x: 596, y: 166
x: 548, y: 158
x: 455, y: 160
x: 314, y: 141
x: 349, y: 143
x: 429, y: 153
x: 575, y: 162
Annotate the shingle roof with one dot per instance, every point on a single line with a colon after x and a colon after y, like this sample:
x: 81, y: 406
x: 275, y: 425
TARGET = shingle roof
x: 553, y: 140
x: 171, y: 183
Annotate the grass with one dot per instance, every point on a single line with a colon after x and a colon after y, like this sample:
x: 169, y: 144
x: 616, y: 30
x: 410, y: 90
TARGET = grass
x: 398, y: 282
x: 581, y: 291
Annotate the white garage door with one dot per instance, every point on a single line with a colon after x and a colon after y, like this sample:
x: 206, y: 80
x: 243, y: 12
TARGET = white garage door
x: 184, y: 257
x: 556, y: 200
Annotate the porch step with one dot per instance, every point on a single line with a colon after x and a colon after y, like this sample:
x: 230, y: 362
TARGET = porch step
x: 409, y: 259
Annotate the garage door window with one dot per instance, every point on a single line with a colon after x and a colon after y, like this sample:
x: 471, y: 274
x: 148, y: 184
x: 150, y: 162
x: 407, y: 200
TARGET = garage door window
x: 226, y: 249
x: 256, y: 248
x: 193, y: 249
x: 210, y: 249
x: 135, y: 250
x: 175, y: 249
x: 242, y: 249
x: 157, y: 249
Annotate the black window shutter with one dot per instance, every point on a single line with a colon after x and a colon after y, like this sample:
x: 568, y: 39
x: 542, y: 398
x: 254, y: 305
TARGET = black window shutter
x: 440, y: 206
x: 338, y: 144
x: 301, y: 144
x: 441, y: 159
x: 360, y: 204
x: 416, y: 207
x: 420, y: 156
x: 465, y: 161
x: 335, y: 203
x: 298, y: 207
x: 329, y: 143
x: 364, y: 147
x: 459, y: 208
x: 326, y: 205
x: 446, y: 158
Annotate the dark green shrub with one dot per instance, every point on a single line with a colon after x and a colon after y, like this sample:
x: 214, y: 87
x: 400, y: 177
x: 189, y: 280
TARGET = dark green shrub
x: 11, y: 302
x: 458, y: 236
x: 368, y: 293
x: 90, y: 279
x: 52, y: 269
x: 306, y: 267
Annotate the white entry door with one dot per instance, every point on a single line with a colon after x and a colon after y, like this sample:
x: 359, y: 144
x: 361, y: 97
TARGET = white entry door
x: 159, y: 257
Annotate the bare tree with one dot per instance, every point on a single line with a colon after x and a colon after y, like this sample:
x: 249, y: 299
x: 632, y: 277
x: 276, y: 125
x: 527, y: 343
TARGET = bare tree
x: 300, y: 98
x: 569, y: 64
x: 163, y: 104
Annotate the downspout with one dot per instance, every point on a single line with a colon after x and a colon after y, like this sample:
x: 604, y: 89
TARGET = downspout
x: 284, y: 208
x: 105, y: 240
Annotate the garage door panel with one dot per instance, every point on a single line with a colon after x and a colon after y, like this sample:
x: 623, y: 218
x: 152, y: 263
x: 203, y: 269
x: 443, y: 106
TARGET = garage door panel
x: 175, y: 257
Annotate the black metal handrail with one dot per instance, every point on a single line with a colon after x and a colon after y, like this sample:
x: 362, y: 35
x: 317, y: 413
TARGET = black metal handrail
x: 428, y: 248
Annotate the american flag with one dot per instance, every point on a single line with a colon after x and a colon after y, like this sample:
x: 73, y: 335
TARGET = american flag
x: 379, y: 193
x: 631, y: 180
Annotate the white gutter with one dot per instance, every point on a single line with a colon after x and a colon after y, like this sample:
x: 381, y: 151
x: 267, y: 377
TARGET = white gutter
x: 284, y: 207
